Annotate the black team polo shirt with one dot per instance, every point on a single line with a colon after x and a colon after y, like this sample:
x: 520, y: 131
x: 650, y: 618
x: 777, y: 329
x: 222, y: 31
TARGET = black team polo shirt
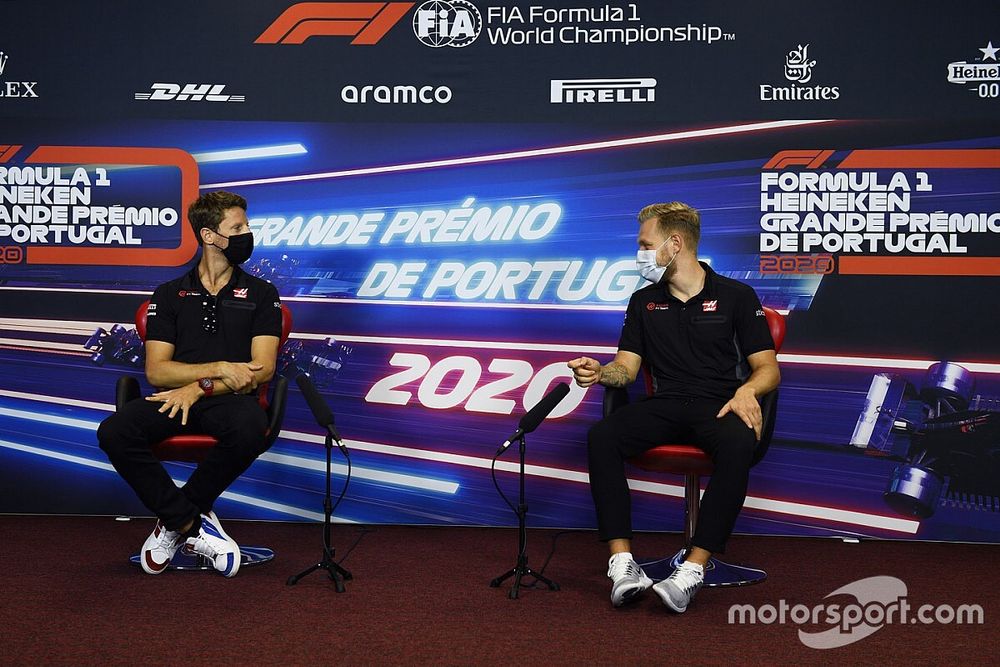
x: 698, y: 348
x: 246, y: 307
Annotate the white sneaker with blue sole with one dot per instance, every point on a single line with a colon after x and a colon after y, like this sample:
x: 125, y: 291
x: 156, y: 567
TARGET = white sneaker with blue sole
x: 213, y: 543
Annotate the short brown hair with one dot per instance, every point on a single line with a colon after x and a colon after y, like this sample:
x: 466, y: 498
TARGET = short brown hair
x: 209, y: 209
x: 673, y: 217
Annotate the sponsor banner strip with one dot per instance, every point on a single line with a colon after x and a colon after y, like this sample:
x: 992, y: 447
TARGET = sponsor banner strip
x: 919, y: 266
x: 958, y: 158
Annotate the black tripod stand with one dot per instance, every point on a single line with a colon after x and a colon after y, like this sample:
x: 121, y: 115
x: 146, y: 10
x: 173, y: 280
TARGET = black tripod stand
x: 521, y: 569
x: 336, y: 572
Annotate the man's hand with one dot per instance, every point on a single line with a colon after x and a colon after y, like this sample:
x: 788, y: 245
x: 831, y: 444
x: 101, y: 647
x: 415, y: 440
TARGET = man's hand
x: 586, y: 371
x: 178, y: 400
x: 745, y: 406
x: 239, y: 376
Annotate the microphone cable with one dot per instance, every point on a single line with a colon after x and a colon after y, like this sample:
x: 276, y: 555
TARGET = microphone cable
x: 347, y: 481
x: 493, y: 474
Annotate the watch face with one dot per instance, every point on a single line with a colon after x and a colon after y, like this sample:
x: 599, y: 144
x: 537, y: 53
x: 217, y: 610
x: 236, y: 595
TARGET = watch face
x: 206, y: 384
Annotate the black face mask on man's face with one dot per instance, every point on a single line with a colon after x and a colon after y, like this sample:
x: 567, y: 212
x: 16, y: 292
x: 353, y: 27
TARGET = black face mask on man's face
x: 239, y: 249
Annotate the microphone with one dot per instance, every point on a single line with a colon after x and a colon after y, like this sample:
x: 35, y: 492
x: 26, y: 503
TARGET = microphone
x: 536, y: 415
x: 319, y: 408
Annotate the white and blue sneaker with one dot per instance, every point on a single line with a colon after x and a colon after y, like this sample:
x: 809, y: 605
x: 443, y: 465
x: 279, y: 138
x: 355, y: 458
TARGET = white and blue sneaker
x: 159, y: 548
x: 213, y: 543
x: 627, y: 578
x: 677, y: 590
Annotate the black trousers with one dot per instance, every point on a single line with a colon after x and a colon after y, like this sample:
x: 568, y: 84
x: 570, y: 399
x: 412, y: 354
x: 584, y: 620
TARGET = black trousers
x: 654, y: 421
x: 236, y: 421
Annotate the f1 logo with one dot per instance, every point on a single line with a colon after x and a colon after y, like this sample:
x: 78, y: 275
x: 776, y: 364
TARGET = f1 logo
x: 366, y: 22
x: 809, y: 159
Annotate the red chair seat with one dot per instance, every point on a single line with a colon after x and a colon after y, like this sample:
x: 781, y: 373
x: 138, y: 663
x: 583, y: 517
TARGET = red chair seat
x: 677, y: 459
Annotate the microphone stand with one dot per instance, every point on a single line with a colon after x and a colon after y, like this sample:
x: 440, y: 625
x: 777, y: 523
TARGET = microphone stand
x: 337, y: 573
x: 521, y: 569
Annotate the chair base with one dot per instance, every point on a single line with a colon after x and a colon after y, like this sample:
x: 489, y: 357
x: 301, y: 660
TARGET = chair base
x: 717, y: 572
x: 182, y: 561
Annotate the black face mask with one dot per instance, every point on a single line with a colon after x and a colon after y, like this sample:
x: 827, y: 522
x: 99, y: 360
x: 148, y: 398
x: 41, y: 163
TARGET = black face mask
x: 239, y: 249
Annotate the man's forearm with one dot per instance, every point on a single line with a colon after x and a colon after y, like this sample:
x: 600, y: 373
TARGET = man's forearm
x: 763, y: 380
x: 173, y: 374
x: 615, y: 375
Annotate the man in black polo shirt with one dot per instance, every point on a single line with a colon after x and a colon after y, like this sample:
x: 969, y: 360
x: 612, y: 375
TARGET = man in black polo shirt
x: 707, y: 343
x: 211, y: 337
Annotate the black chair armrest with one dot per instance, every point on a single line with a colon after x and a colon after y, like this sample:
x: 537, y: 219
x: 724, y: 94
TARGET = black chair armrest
x: 126, y: 390
x: 768, y: 411
x: 614, y: 399
x: 276, y: 409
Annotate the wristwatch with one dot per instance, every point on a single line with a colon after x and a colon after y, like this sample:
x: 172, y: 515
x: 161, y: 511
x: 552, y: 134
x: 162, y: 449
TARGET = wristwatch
x: 207, y: 385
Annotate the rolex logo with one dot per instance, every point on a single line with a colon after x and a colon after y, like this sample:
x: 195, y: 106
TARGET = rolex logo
x: 11, y: 89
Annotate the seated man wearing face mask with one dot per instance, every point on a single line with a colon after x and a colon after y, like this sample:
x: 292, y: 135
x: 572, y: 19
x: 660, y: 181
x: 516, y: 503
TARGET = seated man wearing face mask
x: 708, y: 346
x: 211, y: 337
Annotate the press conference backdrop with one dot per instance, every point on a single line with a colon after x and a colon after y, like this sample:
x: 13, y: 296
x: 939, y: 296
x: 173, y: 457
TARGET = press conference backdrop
x: 445, y: 192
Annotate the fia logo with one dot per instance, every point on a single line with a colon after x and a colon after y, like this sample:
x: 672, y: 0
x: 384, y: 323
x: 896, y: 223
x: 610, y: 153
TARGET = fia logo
x: 798, y: 67
x: 455, y: 23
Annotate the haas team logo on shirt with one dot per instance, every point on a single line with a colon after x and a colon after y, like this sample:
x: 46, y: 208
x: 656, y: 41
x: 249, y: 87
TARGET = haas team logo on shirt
x: 710, y: 306
x: 240, y: 293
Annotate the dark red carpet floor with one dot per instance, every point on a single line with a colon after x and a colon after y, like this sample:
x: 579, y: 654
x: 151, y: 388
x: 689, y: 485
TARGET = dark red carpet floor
x: 420, y: 596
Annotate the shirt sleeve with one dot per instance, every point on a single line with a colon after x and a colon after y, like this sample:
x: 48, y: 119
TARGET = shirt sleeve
x: 267, y: 315
x: 631, y: 339
x: 161, y: 318
x: 752, y: 329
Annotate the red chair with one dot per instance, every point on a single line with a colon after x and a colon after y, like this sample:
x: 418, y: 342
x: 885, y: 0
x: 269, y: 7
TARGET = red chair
x: 691, y: 462
x: 193, y: 448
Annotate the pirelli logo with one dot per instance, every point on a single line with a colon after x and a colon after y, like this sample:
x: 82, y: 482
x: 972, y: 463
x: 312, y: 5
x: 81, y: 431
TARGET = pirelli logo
x: 366, y: 22
x: 575, y: 91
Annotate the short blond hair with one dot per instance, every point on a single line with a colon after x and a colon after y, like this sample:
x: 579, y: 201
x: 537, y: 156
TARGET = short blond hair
x: 673, y: 217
